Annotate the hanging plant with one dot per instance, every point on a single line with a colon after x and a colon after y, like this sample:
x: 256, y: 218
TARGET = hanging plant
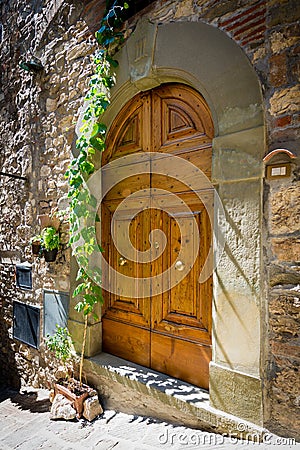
x: 50, y: 243
x: 36, y: 244
x: 92, y: 140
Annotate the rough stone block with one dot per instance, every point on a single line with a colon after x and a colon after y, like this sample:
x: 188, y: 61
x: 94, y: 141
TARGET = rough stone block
x: 77, y: 51
x: 285, y: 209
x: 278, y: 70
x: 285, y: 387
x: 283, y: 12
x: 219, y: 8
x: 61, y: 372
x: 62, y: 408
x: 282, y: 40
x: 286, y: 304
x: 284, y: 326
x: 51, y: 104
x: 295, y: 70
x: 92, y: 408
x: 185, y: 8
x: 282, y: 275
x: 284, y: 349
x: 285, y: 101
x: 286, y: 249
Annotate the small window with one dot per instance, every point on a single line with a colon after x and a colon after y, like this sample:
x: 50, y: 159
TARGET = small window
x: 26, y: 323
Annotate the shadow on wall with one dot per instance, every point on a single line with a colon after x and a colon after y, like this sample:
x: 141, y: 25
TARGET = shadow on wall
x: 9, y: 375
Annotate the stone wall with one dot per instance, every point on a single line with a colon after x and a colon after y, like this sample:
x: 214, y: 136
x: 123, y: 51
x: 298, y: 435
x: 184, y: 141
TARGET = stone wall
x: 283, y: 249
x: 38, y: 117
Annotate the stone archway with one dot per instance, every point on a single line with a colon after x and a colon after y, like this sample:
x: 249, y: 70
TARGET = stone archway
x: 204, y: 58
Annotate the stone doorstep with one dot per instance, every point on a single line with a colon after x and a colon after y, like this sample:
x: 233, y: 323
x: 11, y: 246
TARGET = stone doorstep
x: 134, y: 389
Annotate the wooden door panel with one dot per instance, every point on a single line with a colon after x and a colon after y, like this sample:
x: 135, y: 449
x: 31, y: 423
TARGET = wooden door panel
x: 118, y: 182
x: 133, y: 131
x: 126, y: 341
x: 128, y: 302
x: 181, y: 120
x: 182, y: 359
x: 185, y: 309
x: 185, y: 179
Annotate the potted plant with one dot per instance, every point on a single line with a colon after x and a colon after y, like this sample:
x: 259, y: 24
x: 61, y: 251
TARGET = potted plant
x: 36, y: 244
x: 51, y: 242
x: 61, y: 344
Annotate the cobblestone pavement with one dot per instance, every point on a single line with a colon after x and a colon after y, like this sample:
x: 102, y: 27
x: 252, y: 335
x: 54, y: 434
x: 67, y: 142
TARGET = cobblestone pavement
x: 25, y: 425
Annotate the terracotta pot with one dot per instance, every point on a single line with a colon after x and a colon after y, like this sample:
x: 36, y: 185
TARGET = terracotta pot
x: 50, y: 255
x: 36, y: 247
x: 46, y: 221
x: 77, y: 400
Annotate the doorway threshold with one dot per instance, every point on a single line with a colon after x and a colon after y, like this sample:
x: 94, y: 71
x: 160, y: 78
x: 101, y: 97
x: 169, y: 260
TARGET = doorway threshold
x: 133, y: 389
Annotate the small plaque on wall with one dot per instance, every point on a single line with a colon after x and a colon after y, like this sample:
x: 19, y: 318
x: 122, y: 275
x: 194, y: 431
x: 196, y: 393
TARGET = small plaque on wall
x: 278, y: 171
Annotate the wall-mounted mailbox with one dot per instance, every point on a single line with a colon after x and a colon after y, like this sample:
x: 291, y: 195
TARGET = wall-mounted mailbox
x: 56, y: 308
x: 26, y: 323
x: 24, y: 275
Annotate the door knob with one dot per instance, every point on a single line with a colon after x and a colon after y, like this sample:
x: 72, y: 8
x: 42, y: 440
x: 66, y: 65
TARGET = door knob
x: 179, y: 265
x: 122, y: 261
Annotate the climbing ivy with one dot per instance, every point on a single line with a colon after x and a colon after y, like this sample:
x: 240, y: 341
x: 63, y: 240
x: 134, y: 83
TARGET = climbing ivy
x: 91, y: 140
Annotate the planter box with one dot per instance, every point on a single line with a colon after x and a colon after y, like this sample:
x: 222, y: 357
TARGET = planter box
x: 77, y: 400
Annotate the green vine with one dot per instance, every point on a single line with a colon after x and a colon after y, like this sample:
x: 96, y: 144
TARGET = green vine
x: 60, y: 343
x: 91, y: 140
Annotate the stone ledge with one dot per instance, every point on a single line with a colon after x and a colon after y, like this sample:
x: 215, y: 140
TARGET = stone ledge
x: 128, y: 387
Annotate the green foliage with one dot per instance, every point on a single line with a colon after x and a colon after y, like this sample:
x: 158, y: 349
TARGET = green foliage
x: 60, y: 343
x: 50, y: 238
x: 36, y: 238
x: 92, y: 140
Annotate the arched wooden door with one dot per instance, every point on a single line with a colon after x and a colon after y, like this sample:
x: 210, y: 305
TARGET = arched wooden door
x: 166, y: 328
